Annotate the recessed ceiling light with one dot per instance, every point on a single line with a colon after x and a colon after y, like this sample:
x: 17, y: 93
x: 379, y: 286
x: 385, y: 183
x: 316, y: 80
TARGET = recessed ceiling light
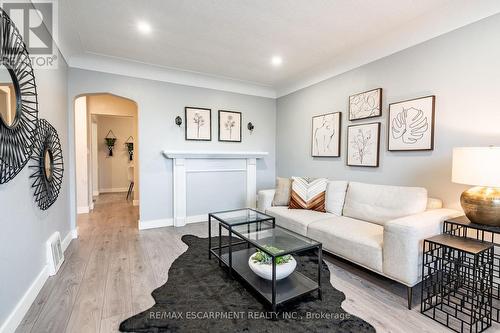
x: 144, y: 27
x: 276, y: 60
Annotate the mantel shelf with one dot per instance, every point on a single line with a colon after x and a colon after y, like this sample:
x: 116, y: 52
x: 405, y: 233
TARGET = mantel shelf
x: 173, y: 154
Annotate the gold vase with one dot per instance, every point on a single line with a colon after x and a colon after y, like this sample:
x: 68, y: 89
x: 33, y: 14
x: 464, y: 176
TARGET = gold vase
x: 482, y: 205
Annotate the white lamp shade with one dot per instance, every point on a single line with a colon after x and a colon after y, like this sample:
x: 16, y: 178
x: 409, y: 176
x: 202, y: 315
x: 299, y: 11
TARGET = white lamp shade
x: 479, y: 166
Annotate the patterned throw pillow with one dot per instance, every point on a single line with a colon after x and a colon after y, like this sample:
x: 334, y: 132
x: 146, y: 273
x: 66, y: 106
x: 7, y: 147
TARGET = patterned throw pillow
x: 308, y: 193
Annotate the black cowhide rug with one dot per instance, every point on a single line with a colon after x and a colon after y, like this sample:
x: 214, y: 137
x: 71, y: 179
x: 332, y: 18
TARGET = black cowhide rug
x: 199, y: 296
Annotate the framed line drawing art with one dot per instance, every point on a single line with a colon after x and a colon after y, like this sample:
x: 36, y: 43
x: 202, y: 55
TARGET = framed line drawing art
x: 198, y: 124
x: 363, y: 145
x: 229, y: 126
x: 325, y: 135
x: 365, y: 105
x: 411, y: 124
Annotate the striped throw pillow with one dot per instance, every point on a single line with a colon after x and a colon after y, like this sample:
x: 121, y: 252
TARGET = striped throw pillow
x: 308, y: 193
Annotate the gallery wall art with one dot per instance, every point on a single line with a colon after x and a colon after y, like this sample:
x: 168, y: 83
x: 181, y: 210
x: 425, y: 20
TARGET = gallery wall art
x: 326, y: 135
x: 363, y: 145
x: 411, y: 124
x: 229, y: 126
x: 365, y: 105
x: 198, y: 124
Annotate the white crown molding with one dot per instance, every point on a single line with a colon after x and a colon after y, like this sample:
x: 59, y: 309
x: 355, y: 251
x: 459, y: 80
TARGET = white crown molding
x: 423, y: 28
x: 113, y: 65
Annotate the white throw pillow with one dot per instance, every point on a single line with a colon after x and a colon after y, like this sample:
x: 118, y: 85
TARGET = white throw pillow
x: 335, y: 196
x: 382, y: 203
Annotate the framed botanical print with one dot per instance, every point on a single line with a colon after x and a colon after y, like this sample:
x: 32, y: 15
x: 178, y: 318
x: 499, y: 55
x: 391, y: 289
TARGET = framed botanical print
x: 198, y: 124
x: 229, y: 126
x: 365, y: 105
x: 411, y: 124
x: 326, y: 135
x: 363, y: 145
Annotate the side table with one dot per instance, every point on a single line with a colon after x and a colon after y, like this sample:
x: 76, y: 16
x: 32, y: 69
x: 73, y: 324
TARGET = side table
x: 457, y: 282
x: 463, y: 227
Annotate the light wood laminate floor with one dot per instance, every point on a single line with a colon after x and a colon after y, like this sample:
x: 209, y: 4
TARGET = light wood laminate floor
x: 111, y: 269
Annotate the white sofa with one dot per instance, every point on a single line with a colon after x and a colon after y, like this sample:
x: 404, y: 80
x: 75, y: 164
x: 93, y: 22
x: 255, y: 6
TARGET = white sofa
x: 379, y: 227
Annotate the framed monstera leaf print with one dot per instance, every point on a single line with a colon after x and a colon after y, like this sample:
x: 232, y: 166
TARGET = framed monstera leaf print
x: 411, y: 124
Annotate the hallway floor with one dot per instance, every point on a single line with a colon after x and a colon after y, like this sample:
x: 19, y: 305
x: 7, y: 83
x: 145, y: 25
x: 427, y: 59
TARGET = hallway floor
x: 110, y: 271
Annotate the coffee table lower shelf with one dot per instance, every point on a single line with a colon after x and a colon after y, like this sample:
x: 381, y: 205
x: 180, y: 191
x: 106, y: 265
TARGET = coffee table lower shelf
x: 293, y: 286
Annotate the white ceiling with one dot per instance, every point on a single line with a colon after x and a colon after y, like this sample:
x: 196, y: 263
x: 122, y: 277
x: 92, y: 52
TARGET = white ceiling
x: 228, y: 44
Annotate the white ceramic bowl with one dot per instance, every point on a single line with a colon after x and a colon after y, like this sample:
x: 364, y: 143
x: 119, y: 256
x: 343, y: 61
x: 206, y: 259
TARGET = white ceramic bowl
x: 265, y: 271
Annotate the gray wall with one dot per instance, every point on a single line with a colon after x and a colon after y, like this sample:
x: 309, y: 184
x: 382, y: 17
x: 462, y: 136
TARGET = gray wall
x: 461, y: 68
x: 25, y: 228
x: 159, y: 103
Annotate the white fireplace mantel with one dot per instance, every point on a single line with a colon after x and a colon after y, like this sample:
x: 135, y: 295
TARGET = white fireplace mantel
x: 209, y: 162
x: 213, y: 154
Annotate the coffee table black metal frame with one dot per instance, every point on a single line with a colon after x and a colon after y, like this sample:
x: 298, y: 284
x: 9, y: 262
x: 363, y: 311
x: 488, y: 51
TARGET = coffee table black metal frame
x: 298, y: 283
x: 229, y: 227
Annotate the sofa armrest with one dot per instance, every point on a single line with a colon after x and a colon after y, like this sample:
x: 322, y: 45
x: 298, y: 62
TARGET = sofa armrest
x: 403, y: 239
x: 265, y: 199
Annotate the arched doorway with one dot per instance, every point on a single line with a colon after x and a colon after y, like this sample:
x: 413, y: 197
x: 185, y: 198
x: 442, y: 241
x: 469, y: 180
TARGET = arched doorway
x: 105, y: 149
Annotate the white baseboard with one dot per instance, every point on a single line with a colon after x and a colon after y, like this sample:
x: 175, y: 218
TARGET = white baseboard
x: 150, y: 224
x: 197, y: 218
x: 22, y: 307
x: 73, y: 234
x: 168, y: 222
x: 82, y: 209
x: 135, y: 202
x: 95, y: 193
x: 113, y: 190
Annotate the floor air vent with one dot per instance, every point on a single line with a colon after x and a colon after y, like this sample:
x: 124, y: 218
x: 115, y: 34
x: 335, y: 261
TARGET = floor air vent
x: 55, y: 254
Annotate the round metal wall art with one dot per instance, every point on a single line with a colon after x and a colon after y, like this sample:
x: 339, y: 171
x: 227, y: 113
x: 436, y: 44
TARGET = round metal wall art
x: 47, y: 164
x: 17, y: 137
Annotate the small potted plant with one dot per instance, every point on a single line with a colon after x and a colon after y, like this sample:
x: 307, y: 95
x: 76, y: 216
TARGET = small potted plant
x: 261, y: 263
x: 110, y: 142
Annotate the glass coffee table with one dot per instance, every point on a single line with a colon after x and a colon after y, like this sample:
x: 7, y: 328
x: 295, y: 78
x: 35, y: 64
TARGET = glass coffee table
x: 259, y: 231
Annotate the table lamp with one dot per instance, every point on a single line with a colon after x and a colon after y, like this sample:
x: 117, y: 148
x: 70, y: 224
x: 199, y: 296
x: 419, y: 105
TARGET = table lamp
x: 480, y: 167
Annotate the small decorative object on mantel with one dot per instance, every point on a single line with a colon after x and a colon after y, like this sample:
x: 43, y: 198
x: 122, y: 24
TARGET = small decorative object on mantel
x: 365, y: 105
x: 411, y: 124
x: 363, y: 143
x: 478, y: 166
x: 130, y: 147
x: 198, y: 124
x: 229, y: 126
x: 48, y: 165
x: 250, y: 127
x: 178, y: 121
x: 261, y: 264
x: 326, y: 135
x: 110, y: 142
x: 19, y: 107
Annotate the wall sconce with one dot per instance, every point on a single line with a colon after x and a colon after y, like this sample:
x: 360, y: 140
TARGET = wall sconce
x: 250, y: 127
x: 178, y: 121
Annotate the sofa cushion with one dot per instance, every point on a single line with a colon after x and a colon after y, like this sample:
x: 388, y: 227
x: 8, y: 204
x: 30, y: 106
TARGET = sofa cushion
x: 355, y: 240
x: 381, y: 203
x: 296, y: 220
x: 335, y: 196
x: 283, y: 192
x: 308, y: 193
